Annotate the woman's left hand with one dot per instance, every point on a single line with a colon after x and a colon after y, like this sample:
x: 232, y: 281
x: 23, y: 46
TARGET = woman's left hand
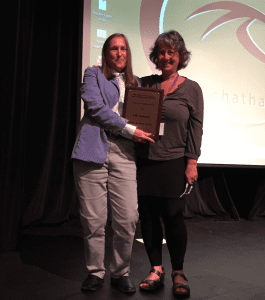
x: 191, y: 171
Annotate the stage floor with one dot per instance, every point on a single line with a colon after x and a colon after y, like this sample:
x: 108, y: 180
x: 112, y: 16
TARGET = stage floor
x: 224, y: 260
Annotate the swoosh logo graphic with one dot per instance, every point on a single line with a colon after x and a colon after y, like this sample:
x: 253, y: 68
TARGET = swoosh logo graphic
x: 152, y: 19
x: 149, y: 26
x: 237, y: 11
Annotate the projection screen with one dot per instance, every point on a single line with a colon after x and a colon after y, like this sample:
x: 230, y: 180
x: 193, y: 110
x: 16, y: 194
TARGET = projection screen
x: 227, y: 42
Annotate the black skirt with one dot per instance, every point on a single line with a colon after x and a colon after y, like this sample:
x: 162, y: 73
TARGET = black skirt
x: 161, y: 178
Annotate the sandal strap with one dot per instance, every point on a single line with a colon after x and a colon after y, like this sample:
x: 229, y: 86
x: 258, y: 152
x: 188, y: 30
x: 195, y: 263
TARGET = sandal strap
x: 152, y: 283
x: 181, y: 285
x: 178, y: 274
x: 157, y: 272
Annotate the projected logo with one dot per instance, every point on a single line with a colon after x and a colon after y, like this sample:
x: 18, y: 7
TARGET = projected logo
x: 153, y: 26
x: 237, y: 11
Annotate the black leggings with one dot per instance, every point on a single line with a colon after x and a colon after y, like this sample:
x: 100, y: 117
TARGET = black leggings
x: 171, y: 211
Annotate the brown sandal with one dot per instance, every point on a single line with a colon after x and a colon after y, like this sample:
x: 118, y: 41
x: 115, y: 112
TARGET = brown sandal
x: 180, y: 285
x: 153, y: 284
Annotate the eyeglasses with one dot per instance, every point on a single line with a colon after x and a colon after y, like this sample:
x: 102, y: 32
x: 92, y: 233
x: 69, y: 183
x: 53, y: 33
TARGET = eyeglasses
x: 188, y: 189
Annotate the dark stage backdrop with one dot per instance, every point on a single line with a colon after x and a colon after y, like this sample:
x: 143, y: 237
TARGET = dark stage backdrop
x: 39, y: 99
x: 41, y: 82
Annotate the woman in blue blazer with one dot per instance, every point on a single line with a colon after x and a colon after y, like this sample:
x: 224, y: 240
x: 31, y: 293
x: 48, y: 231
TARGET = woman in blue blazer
x: 104, y: 164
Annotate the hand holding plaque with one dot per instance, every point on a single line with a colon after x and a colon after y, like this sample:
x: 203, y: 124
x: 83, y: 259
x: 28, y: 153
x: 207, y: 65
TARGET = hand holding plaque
x: 143, y: 108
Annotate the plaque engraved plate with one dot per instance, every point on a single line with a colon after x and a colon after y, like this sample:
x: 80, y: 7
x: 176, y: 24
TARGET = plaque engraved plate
x: 143, y: 108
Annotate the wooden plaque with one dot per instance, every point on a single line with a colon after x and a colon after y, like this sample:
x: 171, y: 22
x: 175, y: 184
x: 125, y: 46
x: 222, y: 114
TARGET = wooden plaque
x: 143, y: 108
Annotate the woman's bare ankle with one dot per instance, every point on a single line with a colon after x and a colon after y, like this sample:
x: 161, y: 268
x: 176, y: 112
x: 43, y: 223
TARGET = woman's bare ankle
x: 158, y: 268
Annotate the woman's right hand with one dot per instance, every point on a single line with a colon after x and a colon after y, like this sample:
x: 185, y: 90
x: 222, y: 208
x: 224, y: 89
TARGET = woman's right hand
x: 142, y: 136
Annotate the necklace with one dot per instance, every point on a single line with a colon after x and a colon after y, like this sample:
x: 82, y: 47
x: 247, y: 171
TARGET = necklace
x: 172, y: 85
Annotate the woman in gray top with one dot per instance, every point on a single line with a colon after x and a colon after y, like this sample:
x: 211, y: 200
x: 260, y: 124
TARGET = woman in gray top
x: 164, y: 168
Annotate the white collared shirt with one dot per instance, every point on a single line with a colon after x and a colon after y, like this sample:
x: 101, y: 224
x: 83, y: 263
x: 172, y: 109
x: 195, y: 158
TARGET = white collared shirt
x: 128, y: 130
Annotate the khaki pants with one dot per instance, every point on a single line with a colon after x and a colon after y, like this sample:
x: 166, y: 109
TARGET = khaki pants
x: 94, y: 182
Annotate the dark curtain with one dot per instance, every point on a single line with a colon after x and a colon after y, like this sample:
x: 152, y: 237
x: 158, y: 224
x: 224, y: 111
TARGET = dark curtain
x: 211, y: 199
x: 258, y: 210
x: 39, y: 96
x: 230, y: 193
x: 42, y: 43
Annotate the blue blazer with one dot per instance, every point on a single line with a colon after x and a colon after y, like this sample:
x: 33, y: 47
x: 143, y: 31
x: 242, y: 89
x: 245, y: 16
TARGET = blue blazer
x: 99, y: 95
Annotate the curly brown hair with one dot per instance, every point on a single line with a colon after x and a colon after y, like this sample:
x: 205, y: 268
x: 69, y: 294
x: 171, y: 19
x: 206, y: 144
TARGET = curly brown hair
x: 174, y: 40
